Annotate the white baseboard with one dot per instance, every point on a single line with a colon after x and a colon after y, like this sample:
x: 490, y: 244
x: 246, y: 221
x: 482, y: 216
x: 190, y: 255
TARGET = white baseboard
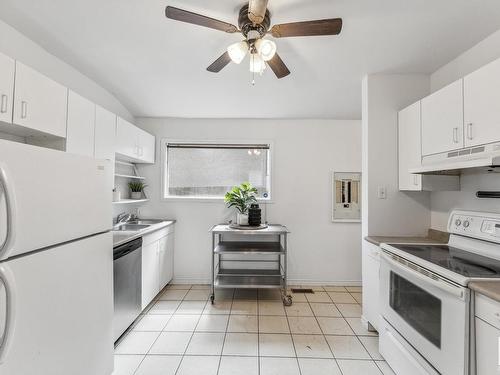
x: 324, y: 283
x: 191, y: 280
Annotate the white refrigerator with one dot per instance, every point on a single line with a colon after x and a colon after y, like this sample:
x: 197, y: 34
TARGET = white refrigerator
x: 56, y: 263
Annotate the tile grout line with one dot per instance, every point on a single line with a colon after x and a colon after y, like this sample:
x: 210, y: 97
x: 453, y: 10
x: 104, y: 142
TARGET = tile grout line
x: 225, y: 332
x: 293, y: 341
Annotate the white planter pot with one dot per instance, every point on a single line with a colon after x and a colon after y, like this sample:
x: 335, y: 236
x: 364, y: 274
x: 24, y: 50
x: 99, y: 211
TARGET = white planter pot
x: 136, y: 195
x: 242, y: 219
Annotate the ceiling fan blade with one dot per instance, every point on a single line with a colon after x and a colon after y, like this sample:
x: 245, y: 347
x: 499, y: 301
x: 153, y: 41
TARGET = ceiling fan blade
x: 198, y: 19
x: 220, y: 63
x: 278, y: 66
x: 331, y: 26
x: 257, y: 10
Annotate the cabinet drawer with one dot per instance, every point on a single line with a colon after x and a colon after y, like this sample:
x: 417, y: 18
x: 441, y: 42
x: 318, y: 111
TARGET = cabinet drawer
x: 488, y: 310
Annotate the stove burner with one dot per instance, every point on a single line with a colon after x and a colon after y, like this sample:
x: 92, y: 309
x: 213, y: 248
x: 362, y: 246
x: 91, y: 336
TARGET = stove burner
x: 465, y: 267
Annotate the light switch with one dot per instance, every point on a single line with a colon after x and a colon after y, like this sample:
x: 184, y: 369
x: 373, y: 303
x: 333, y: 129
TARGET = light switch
x: 382, y: 192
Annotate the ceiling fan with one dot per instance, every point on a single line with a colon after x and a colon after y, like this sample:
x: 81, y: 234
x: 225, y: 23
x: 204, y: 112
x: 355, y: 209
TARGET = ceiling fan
x: 254, y: 23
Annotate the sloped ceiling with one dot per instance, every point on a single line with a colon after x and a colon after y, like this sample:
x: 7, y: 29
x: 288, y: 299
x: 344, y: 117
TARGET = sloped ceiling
x: 156, y: 67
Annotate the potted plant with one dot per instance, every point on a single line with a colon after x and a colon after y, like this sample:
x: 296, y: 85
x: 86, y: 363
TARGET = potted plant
x: 136, y: 189
x: 241, y: 197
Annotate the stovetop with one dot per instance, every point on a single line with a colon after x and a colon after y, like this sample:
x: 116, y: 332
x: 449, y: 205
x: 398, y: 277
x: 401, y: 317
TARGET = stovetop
x: 455, y: 260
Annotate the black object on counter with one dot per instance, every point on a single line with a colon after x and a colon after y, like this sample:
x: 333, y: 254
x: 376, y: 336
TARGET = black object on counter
x: 254, y: 215
x: 488, y: 194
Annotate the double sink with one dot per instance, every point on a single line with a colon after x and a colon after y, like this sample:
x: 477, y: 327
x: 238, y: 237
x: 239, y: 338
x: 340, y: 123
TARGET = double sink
x: 135, y: 225
x: 129, y: 230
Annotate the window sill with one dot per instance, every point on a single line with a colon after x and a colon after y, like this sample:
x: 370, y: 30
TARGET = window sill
x: 207, y: 200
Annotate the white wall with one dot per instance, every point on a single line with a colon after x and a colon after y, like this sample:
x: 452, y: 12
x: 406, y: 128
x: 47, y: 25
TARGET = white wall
x: 306, y: 152
x: 402, y: 213
x: 443, y: 202
x: 481, y: 54
x: 19, y: 47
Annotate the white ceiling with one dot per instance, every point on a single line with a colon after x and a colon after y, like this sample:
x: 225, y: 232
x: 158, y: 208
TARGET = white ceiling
x: 156, y: 67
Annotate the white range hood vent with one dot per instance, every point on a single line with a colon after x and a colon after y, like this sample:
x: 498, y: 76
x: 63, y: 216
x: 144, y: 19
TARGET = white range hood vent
x: 486, y: 158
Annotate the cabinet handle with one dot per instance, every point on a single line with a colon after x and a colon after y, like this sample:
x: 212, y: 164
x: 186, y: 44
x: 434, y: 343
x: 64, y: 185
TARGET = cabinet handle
x: 24, y: 109
x: 3, y: 106
x: 141, y: 151
x: 415, y: 180
x: 455, y: 135
x: 469, y: 131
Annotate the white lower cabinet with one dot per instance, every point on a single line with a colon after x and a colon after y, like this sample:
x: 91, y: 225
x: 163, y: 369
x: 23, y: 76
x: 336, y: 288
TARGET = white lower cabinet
x: 370, y: 270
x: 487, y: 323
x: 157, y: 263
x: 166, y: 248
x: 150, y: 272
x: 487, y: 347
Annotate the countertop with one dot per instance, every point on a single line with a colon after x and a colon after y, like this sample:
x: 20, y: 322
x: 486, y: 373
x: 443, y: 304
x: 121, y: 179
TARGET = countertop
x: 490, y: 289
x: 121, y: 237
x: 433, y: 236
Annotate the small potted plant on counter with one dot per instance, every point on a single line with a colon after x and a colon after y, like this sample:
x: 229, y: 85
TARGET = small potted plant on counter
x: 136, y: 189
x: 241, y: 197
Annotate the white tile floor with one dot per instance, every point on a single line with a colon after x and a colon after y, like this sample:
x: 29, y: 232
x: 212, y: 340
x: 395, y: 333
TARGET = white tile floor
x: 249, y: 332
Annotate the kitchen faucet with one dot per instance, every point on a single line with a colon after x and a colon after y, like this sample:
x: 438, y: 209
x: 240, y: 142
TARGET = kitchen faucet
x: 123, y: 217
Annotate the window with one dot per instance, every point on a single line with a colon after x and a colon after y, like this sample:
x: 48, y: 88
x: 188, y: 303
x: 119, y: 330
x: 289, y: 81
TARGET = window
x: 209, y: 170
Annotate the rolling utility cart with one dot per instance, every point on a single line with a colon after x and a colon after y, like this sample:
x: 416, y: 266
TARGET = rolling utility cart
x: 250, y: 258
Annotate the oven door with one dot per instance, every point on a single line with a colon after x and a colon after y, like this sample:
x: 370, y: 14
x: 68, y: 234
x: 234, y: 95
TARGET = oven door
x: 430, y: 312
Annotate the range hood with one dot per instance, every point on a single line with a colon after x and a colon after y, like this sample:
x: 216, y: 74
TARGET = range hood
x: 485, y: 158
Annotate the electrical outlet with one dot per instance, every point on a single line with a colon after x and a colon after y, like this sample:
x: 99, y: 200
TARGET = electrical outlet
x: 382, y: 192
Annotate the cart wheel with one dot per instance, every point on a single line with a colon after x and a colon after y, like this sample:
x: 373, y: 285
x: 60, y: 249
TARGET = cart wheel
x: 212, y: 298
x: 287, y: 300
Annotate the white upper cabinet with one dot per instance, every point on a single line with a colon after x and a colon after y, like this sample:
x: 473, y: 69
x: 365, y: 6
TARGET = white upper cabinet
x: 442, y: 120
x: 146, y: 146
x: 105, y: 129
x: 126, y: 139
x: 39, y: 102
x: 81, y: 125
x: 133, y: 143
x: 482, y: 105
x: 410, y: 152
x: 7, y: 72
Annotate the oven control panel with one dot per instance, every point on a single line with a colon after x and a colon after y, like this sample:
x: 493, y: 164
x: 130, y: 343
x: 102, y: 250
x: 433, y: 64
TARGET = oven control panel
x: 485, y: 226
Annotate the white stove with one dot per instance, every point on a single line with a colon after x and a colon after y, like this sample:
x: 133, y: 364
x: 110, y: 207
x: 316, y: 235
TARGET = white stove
x: 426, y: 305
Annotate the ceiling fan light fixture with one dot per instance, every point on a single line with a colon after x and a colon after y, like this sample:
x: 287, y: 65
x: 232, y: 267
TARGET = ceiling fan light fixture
x: 257, y: 63
x: 238, y: 51
x: 266, y: 48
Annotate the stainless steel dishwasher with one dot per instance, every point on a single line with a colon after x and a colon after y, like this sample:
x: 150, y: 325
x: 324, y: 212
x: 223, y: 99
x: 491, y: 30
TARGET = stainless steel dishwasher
x: 127, y: 266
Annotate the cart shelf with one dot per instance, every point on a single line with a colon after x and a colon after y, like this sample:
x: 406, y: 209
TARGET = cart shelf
x: 236, y: 247
x: 249, y: 272
x: 248, y: 282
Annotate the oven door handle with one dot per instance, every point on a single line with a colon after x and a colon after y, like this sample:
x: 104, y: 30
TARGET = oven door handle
x: 424, y: 275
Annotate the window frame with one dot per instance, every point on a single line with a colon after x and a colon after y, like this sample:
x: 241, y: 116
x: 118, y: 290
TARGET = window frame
x: 164, y: 161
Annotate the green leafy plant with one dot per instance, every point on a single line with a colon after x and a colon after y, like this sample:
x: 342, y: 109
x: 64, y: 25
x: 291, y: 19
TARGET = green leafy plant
x: 137, y: 186
x: 241, y: 197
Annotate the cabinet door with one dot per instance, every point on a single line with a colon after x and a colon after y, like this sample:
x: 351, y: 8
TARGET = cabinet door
x: 481, y: 105
x: 39, y: 102
x: 166, y: 259
x: 80, y: 125
x: 150, y: 274
x: 146, y: 147
x: 105, y: 129
x: 487, y: 348
x: 370, y: 270
x: 442, y: 120
x: 126, y: 139
x: 409, y: 145
x: 7, y: 71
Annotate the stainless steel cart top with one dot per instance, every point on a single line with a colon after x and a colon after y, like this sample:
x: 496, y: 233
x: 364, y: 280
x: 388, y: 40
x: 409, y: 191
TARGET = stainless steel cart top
x: 272, y: 229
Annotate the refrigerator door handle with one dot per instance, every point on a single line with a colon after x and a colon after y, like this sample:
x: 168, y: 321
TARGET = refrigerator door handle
x: 7, y: 280
x: 10, y: 207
